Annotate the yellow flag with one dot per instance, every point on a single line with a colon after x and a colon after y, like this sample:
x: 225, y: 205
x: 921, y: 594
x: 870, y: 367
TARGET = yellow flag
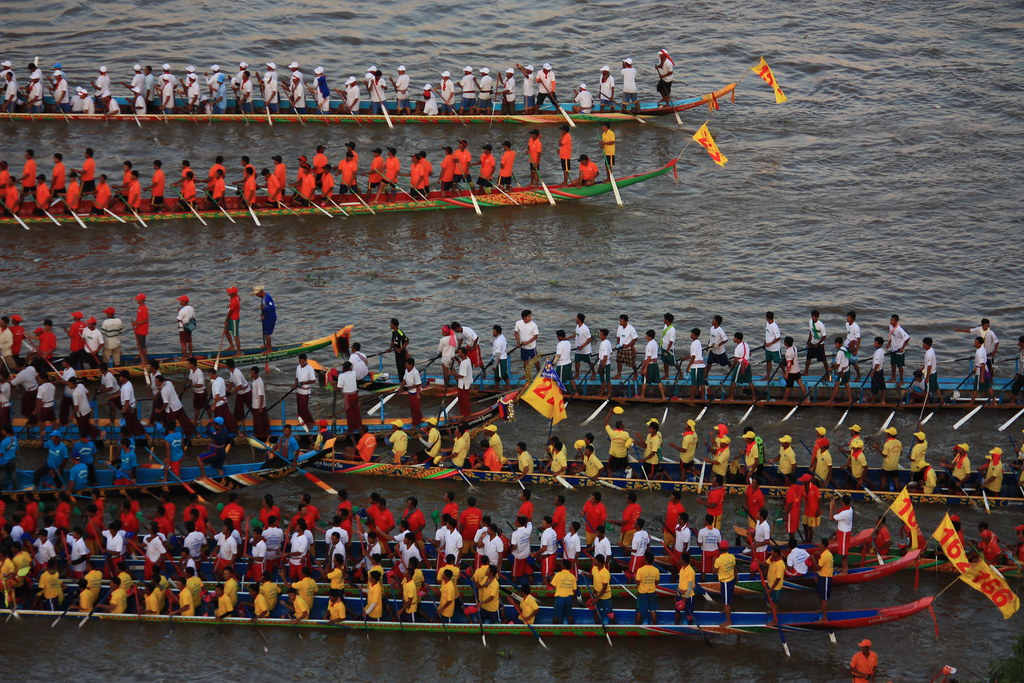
x: 991, y: 583
x: 903, y: 508
x: 704, y: 139
x: 951, y: 544
x: 765, y: 72
x: 545, y: 395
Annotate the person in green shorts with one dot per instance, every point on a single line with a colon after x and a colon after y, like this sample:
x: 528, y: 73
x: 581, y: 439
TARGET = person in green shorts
x: 604, y: 362
x: 772, y: 343
x: 563, y: 360
x: 649, y: 368
x: 841, y: 371
x: 668, y: 344
x: 695, y: 365
x: 741, y: 372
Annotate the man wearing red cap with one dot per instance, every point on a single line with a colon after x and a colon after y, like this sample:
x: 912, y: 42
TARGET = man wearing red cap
x: 141, y: 326
x: 864, y: 663
x: 186, y: 320
x: 17, y: 336
x: 812, y: 507
x: 46, y: 341
x: 78, y: 355
x: 111, y: 328
x: 231, y: 320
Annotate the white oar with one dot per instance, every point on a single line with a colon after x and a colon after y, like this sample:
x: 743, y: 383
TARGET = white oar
x: 253, y: 214
x: 595, y: 413
x: 370, y: 209
x: 74, y: 215
x: 513, y: 199
x: 139, y: 218
x: 843, y: 418
x: 701, y: 414
x: 1009, y: 422
x: 885, y: 425
x: 547, y: 193
x: 343, y: 211
x: 17, y: 218
x: 120, y: 220
x: 790, y: 413
x: 967, y: 417
x: 747, y: 414
x: 450, y: 406
x: 984, y: 497
x: 615, y: 186
x: 50, y: 216
x: 316, y: 206
x: 193, y: 209
x: 927, y: 417
x: 383, y: 401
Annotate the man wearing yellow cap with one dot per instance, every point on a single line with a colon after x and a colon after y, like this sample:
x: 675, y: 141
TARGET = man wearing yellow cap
x: 620, y: 442
x: 821, y: 459
x: 854, y: 434
x: 720, y: 460
x: 858, y: 463
x: 753, y: 454
x: 992, y: 471
x: 399, y: 441
x: 432, y: 446
x: 918, y: 451
x: 652, y: 448
x: 494, y: 441
x: 960, y: 468
x: 891, y: 451
x: 687, y: 450
x: 786, y: 461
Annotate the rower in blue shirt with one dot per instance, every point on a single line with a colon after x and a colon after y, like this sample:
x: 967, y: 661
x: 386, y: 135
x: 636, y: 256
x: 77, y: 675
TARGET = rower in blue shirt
x: 8, y: 455
x: 84, y: 451
x: 78, y: 475
x: 56, y: 457
x: 125, y: 464
x: 268, y: 315
x: 219, y: 440
x: 175, y: 443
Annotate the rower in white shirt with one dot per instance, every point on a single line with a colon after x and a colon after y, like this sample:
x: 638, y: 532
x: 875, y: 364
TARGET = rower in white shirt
x: 545, y: 85
x: 583, y: 346
x: 84, y: 103
x: 296, y: 90
x: 375, y: 85
x: 897, y: 345
x: 359, y: 362
x: 268, y: 82
x: 716, y: 344
x: 607, y: 94
x: 571, y: 545
x: 584, y: 100
x: 446, y: 93
x: 602, y: 545
x: 401, y: 85
x: 467, y: 84
x: 626, y: 337
x: 507, y: 91
x: 520, y: 541
x: 695, y: 364
x: 563, y: 359
x: 852, y: 341
x: 101, y: 83
x: 430, y: 107
x: 741, y: 372
x: 816, y: 337
x: 604, y: 363
x: 548, y: 551
x: 61, y: 96
x: 638, y: 547
x: 772, y: 343
x: 485, y: 91
x: 499, y: 356
x: 666, y: 73
x: 629, y: 88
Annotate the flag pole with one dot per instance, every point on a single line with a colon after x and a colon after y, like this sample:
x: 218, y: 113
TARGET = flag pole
x: 690, y: 139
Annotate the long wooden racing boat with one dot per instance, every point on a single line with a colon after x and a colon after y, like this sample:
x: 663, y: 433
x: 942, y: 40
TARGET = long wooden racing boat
x: 343, y: 205
x: 172, y: 362
x: 466, y: 624
x: 546, y: 114
x: 150, y: 480
x: 637, y: 482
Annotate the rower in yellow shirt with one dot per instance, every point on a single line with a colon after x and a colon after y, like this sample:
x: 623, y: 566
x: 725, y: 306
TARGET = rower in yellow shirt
x: 50, y: 588
x: 399, y: 441
x: 591, y: 463
x: 992, y: 478
x: 525, y: 460
x: 231, y: 587
x: 564, y: 583
x: 929, y: 480
x: 22, y: 560
x: 620, y: 444
x: 224, y: 606
x: 446, y: 602
x: 306, y: 586
x: 490, y: 601
x: 86, y: 599
x: 186, y: 605
x: 725, y: 564
x: 775, y: 576
x: 337, y: 578
x: 918, y: 451
x: 94, y: 580
x: 685, y: 588
x: 647, y: 577
x: 494, y: 441
x: 602, y: 579
x: 153, y: 599
x: 720, y: 459
x: 787, y: 456
x: 195, y: 586
x: 118, y: 601
x: 823, y: 466
x: 826, y: 570
x: 127, y: 582
x: 268, y: 595
x: 374, y: 608
x: 432, y: 447
x: 858, y: 462
x: 687, y: 447
x: 652, y: 447
x: 528, y: 608
x: 559, y: 459
x: 410, y: 598
x: 297, y: 606
x: 336, y: 608
x: 460, y: 449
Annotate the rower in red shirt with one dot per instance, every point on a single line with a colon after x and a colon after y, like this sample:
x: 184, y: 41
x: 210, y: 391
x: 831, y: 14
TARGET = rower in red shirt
x: 17, y: 334
x: 194, y: 504
x: 558, y: 517
x: 164, y: 522
x: 526, y: 507
x: 794, y: 498
x: 268, y: 509
x: 42, y: 195
x: 594, y: 514
x: 715, y: 501
x: 469, y: 524
x: 233, y: 511
x: 170, y: 509
x: 508, y: 162
x: 62, y: 515
x: 129, y: 520
x: 812, y: 507
x: 882, y: 538
x: 414, y: 517
x: 47, y: 341
x: 533, y: 149
x: 673, y: 509
x: 989, y: 544
x: 755, y: 501
x: 385, y: 518
x: 630, y: 514
x: 451, y: 508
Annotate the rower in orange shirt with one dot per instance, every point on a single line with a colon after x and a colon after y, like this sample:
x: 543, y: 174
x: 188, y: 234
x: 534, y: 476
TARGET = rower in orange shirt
x: 5, y: 175
x: 305, y: 182
x: 12, y: 199
x: 280, y: 172
x: 218, y: 165
x: 487, y: 163
x: 392, y: 169
x: 275, y: 191
x: 351, y: 147
x: 28, y: 173
x: 101, y: 200
x: 42, y: 195
x: 215, y: 188
x: 320, y: 163
x: 72, y: 193
x: 134, y: 200
x: 156, y: 187
x: 447, y: 177
x: 508, y: 162
x: 188, y: 190
x: 348, y: 168
x: 416, y: 177
x: 426, y: 170
x: 249, y: 187
x: 88, y: 172
x: 565, y: 152
x: 326, y: 185
x: 126, y: 176
x: 588, y: 171
x: 534, y: 147
x: 376, y: 175
x: 58, y: 178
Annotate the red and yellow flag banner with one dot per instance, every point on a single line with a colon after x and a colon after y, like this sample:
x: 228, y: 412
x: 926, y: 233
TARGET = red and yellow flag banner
x: 765, y: 72
x: 545, y: 395
x: 979, y: 576
x: 703, y: 138
x: 903, y: 508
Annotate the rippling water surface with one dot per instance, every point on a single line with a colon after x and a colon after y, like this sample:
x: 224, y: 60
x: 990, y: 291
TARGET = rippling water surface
x: 889, y: 182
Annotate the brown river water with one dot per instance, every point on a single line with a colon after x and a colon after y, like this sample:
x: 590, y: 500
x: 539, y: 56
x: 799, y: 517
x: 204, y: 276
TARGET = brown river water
x: 886, y: 184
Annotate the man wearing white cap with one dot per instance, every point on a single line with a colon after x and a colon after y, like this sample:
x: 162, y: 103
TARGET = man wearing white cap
x: 376, y: 87
x: 584, y: 100
x: 167, y: 82
x: 429, y: 101
x: 545, y: 85
x: 296, y: 90
x: 101, y: 82
x: 508, y: 92
x: 268, y: 83
x: 35, y: 92
x: 446, y: 91
x: 243, y: 93
x: 351, y: 95
x: 665, y: 68
x: 138, y: 79
x: 607, y: 94
x: 321, y: 91
x: 61, y: 97
x: 485, y: 87
x: 192, y: 93
x: 468, y: 86
x: 401, y: 85
x: 529, y: 97
x: 84, y: 103
x: 236, y: 84
x: 138, y: 101
x: 629, y: 85
x: 110, y: 105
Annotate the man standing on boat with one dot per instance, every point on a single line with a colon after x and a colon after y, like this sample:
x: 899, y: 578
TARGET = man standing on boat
x: 305, y: 378
x: 629, y: 87
x: 268, y: 315
x: 231, y: 320
x: 989, y: 340
x: 665, y: 68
